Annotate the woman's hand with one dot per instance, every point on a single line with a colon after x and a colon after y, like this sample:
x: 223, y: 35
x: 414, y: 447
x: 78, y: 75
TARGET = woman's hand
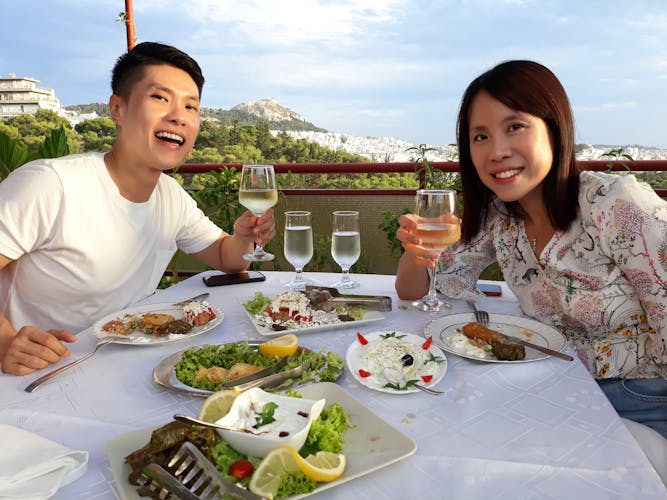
x: 407, y: 235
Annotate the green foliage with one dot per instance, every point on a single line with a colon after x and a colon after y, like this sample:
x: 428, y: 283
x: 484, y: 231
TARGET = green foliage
x: 217, y: 196
x: 618, y: 157
x: 389, y: 226
x: 14, y: 153
x: 434, y: 178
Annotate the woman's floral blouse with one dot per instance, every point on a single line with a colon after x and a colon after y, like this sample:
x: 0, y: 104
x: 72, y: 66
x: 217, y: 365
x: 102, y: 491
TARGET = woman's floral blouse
x: 603, y: 282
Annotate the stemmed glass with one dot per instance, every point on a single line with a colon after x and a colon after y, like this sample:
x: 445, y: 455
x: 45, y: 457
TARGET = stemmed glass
x: 258, y: 193
x: 298, y: 245
x: 345, y: 245
x: 438, y: 227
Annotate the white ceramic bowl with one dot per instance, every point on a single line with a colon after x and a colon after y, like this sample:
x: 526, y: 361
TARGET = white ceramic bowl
x: 293, y: 415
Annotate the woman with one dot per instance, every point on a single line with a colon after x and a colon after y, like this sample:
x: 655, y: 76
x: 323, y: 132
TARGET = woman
x: 584, y: 252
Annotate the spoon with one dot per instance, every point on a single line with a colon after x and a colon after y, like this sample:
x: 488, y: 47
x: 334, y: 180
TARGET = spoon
x: 195, y: 421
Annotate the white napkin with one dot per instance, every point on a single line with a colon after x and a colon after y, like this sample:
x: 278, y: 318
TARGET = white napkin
x: 33, y: 467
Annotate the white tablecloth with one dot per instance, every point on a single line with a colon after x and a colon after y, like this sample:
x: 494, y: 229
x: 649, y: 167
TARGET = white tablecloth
x: 526, y: 431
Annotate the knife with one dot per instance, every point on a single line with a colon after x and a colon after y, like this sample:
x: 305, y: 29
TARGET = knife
x: 545, y: 350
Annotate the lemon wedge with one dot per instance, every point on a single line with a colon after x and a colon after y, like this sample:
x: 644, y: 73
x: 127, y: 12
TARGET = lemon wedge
x: 217, y: 405
x: 285, y: 345
x: 266, y: 479
x: 322, y: 467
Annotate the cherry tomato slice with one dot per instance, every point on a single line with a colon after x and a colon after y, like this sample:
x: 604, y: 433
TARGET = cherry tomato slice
x: 427, y: 378
x: 428, y: 343
x: 241, y: 469
x: 362, y: 339
x: 364, y: 373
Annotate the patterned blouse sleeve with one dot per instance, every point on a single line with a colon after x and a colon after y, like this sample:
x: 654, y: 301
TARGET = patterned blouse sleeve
x: 632, y: 221
x: 460, y: 267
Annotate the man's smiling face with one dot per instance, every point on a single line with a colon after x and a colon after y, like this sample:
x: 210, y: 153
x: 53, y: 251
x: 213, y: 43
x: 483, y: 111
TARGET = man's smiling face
x: 158, y: 123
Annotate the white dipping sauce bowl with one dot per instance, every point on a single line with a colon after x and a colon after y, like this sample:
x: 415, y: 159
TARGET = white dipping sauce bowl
x: 293, y: 415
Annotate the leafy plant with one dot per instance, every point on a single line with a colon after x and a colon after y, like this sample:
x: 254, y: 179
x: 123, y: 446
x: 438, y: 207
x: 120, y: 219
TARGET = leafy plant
x: 618, y: 157
x: 434, y: 178
x: 14, y: 153
x: 389, y: 226
x: 218, y: 196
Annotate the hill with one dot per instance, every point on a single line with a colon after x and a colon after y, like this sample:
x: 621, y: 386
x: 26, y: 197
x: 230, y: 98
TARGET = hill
x: 267, y: 111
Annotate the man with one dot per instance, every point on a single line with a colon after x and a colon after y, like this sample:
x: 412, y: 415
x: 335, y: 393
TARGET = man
x: 86, y: 235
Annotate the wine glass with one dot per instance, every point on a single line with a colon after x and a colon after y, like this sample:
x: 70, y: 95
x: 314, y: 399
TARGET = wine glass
x: 345, y: 245
x: 435, y: 210
x: 258, y: 193
x: 298, y: 245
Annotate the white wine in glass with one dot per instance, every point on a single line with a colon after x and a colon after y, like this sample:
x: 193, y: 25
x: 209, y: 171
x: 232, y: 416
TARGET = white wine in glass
x: 258, y: 193
x: 345, y: 245
x: 438, y: 228
x: 298, y: 245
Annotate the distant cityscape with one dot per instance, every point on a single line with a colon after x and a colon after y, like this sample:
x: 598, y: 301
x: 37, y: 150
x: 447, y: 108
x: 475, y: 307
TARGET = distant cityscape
x: 390, y: 149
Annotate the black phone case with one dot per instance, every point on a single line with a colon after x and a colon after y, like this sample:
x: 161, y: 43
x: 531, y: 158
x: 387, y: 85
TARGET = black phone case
x: 233, y: 279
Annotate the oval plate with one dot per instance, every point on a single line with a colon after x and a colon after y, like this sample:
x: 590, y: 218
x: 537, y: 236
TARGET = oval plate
x: 443, y: 328
x: 138, y: 338
x: 164, y: 373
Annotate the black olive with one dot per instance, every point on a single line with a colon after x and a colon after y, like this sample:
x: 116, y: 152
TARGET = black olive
x: 407, y: 360
x: 345, y: 317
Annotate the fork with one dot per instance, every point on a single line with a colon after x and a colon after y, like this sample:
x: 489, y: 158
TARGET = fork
x: 192, y: 477
x: 428, y: 390
x: 482, y: 317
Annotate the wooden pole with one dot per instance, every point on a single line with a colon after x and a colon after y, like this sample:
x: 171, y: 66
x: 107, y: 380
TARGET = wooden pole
x: 129, y: 25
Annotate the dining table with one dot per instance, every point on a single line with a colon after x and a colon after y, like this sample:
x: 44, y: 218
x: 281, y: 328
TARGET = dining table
x: 524, y: 430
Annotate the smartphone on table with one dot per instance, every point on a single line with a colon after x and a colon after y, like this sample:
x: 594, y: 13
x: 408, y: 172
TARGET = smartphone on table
x: 233, y: 278
x: 490, y: 289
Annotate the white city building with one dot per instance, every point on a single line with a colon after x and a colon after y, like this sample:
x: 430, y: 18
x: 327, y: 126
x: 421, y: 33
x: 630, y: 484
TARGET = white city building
x: 20, y: 95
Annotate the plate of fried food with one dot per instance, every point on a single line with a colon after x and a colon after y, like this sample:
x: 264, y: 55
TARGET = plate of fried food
x: 158, y: 323
x: 205, y: 369
x: 460, y: 334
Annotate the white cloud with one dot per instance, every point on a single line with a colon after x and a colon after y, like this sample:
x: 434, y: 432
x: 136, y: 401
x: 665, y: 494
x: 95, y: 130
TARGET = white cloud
x: 285, y: 23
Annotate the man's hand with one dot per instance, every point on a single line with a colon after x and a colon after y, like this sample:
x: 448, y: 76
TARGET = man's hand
x: 255, y: 229
x: 33, y: 349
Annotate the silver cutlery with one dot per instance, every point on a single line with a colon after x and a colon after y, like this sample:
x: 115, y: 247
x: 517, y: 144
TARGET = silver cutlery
x: 45, y: 378
x: 268, y: 381
x: 428, y: 390
x: 190, y: 475
x: 201, y: 296
x: 195, y: 421
x: 482, y: 317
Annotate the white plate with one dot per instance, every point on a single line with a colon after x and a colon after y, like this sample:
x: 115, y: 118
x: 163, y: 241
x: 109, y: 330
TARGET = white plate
x: 164, y: 373
x: 266, y: 331
x: 353, y: 360
x: 370, y: 442
x: 143, y: 339
x: 443, y: 328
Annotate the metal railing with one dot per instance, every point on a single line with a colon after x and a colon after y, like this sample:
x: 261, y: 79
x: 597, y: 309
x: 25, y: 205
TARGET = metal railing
x: 409, y: 167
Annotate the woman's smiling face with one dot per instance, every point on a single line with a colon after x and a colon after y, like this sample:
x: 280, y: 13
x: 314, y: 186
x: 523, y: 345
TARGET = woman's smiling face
x: 511, y: 150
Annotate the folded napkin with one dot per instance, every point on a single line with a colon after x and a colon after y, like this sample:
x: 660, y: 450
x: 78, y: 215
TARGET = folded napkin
x: 33, y: 467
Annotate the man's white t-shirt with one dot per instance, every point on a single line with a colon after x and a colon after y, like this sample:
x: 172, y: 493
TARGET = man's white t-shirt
x: 80, y: 249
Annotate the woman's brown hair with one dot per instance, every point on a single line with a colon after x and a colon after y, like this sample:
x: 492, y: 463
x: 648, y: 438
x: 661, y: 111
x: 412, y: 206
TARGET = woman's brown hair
x: 529, y: 87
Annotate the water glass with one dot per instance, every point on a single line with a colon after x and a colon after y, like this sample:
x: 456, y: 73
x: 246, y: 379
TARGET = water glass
x: 345, y: 245
x: 258, y: 193
x: 298, y: 245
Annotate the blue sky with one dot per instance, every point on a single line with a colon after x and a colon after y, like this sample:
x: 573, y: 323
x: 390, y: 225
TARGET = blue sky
x: 370, y: 68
